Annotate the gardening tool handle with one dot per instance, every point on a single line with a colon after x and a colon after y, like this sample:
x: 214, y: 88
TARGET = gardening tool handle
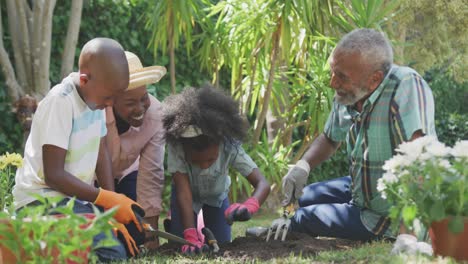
x: 210, y: 239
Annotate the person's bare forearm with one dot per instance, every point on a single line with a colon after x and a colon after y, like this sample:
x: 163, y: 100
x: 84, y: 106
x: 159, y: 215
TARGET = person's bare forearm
x: 68, y: 184
x: 184, y: 199
x: 57, y: 178
x: 320, y: 150
x: 104, y: 167
x: 261, y: 186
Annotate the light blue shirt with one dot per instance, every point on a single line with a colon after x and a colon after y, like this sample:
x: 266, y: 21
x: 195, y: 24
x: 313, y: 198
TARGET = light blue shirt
x: 210, y: 186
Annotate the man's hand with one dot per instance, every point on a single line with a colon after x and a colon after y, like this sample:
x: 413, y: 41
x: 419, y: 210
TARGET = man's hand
x: 126, y: 206
x: 295, y: 181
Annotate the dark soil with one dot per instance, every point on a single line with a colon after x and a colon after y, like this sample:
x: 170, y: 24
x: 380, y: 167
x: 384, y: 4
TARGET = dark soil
x: 248, y: 248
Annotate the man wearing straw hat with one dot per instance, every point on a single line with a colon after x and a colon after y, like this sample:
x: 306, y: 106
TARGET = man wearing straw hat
x: 136, y: 142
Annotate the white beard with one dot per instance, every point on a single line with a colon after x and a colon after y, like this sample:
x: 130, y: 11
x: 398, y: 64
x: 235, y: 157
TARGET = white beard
x: 351, y: 98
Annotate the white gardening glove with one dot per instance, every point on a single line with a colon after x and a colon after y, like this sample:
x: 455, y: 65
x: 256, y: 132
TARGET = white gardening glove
x: 409, y: 244
x: 295, y: 181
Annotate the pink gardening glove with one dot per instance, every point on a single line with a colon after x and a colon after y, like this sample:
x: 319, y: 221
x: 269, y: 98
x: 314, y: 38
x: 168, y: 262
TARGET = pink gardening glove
x: 191, y: 235
x: 241, y: 212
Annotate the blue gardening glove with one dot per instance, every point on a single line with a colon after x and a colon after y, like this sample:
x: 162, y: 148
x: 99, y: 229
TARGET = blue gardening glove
x: 295, y: 181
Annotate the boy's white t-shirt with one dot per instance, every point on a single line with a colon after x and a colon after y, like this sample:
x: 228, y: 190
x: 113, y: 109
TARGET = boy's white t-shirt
x: 64, y: 120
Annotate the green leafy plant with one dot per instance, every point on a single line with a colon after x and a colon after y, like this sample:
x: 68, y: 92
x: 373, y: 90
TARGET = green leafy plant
x: 427, y: 181
x: 33, y: 235
x: 11, y: 135
x: 8, y: 163
x: 272, y: 160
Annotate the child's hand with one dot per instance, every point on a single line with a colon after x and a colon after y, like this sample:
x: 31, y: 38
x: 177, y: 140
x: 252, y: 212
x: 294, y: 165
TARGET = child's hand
x: 241, y: 212
x: 191, y: 235
x: 126, y: 206
x: 121, y: 232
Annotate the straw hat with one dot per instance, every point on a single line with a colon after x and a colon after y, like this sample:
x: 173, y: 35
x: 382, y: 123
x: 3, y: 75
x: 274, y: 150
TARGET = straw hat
x: 140, y: 75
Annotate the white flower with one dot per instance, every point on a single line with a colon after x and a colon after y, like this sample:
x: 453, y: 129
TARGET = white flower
x: 389, y: 178
x: 395, y: 162
x: 424, y: 156
x: 445, y: 164
x: 415, y: 147
x: 438, y: 149
x: 460, y: 149
x: 383, y: 195
x: 381, y: 185
x: 404, y: 172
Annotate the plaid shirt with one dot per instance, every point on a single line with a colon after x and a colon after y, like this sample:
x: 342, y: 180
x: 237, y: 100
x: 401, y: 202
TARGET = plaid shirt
x: 401, y: 105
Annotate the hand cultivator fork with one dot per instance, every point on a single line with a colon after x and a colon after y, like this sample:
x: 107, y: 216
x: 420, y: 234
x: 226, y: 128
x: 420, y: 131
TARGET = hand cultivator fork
x: 281, y: 225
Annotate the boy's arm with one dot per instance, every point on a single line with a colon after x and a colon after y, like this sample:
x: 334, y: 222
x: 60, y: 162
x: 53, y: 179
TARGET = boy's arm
x: 104, y: 167
x: 57, y: 178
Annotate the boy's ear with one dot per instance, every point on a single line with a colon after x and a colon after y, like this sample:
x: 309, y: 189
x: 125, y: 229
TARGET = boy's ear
x: 83, y: 78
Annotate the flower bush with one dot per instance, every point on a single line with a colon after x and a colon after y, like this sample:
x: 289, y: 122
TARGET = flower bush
x: 9, y: 162
x: 427, y: 181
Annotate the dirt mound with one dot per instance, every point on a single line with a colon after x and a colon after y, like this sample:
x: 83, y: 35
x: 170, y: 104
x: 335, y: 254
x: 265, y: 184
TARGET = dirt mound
x: 248, y: 248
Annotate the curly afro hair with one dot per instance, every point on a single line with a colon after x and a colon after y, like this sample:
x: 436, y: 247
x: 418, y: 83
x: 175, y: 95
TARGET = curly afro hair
x: 210, y: 109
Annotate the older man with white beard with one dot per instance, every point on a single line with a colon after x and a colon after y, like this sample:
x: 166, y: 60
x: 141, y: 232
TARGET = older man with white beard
x: 377, y: 106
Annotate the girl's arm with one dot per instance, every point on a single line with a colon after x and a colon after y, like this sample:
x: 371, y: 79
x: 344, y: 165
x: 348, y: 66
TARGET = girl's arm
x: 262, y: 187
x: 184, y: 199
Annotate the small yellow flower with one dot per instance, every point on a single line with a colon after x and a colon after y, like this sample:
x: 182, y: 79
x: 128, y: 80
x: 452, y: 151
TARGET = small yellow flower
x: 13, y: 159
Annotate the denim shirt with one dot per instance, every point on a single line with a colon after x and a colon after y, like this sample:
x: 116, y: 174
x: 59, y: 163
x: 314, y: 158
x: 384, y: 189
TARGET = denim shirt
x: 210, y: 186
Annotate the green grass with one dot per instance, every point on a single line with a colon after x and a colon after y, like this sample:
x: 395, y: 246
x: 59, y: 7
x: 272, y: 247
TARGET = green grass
x: 377, y: 252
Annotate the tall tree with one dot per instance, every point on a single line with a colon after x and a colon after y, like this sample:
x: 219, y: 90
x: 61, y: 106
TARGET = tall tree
x: 259, y: 39
x: 30, y: 30
x: 68, y: 56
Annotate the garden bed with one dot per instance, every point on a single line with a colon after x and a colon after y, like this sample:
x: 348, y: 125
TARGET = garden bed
x: 249, y: 248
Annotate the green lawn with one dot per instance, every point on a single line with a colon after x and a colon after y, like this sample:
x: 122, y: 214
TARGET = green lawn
x: 378, y: 252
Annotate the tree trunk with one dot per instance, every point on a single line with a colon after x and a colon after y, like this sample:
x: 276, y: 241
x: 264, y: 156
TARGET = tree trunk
x: 43, y: 84
x: 271, y: 77
x: 14, y: 89
x: 276, y: 123
x: 17, y: 34
x: 251, y: 85
x: 172, y: 53
x: 68, y: 56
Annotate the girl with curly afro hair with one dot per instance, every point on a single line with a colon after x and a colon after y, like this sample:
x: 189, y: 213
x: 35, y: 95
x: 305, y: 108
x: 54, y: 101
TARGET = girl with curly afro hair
x: 204, y: 131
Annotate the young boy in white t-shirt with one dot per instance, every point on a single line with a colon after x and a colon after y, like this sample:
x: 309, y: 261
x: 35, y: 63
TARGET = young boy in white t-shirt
x: 66, y: 147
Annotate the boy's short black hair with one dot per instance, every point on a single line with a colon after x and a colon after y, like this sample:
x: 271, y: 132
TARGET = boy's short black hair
x: 208, y: 108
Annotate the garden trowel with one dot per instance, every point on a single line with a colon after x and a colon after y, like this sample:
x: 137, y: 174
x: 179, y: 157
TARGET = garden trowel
x: 147, y: 227
x: 166, y: 235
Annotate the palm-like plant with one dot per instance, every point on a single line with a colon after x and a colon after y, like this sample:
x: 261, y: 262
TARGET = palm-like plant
x: 259, y: 36
x: 171, y: 20
x: 363, y: 13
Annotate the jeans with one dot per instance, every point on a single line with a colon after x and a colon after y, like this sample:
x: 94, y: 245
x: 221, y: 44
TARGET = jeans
x: 212, y: 216
x: 105, y: 254
x: 127, y: 185
x: 326, y: 209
